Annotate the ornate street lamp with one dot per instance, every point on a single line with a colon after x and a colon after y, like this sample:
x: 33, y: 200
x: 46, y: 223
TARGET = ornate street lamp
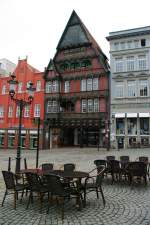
x: 21, y: 103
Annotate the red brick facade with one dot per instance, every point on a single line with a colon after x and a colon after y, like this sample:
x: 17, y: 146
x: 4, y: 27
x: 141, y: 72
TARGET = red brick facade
x: 9, y: 120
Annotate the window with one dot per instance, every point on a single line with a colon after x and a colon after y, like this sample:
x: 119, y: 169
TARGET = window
x: 144, y: 126
x: 136, y: 43
x: 119, y: 89
x: 10, y: 111
x: 37, y: 110
x: 48, y: 87
x: 38, y: 85
x: 89, y: 84
x: 122, y: 44
x: 67, y: 86
x: 142, y: 62
x: 84, y: 105
x: 90, y: 105
x: 95, y: 84
x: 19, y: 87
x: 27, y: 111
x: 17, y: 111
x: 52, y: 106
x: 143, y: 88
x: 131, y: 89
x: 132, y: 126
x: 116, y: 46
x: 4, y: 89
x: 83, y: 85
x: 143, y: 42
x: 129, y: 44
x: 1, y: 111
x: 28, y: 83
x: 120, y: 126
x: 55, y: 86
x: 119, y: 64
x: 96, y: 105
x: 130, y: 63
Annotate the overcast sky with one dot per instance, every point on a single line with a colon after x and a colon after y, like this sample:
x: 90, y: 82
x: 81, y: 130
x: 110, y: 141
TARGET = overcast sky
x: 34, y: 27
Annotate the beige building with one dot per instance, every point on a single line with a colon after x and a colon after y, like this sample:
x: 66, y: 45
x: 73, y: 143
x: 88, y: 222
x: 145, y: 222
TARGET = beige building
x: 130, y: 87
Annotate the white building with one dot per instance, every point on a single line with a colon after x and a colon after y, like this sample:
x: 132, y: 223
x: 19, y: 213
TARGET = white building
x: 6, y: 67
x: 130, y: 87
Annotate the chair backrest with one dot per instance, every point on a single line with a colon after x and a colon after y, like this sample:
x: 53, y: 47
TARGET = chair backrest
x: 34, y: 181
x: 124, y: 158
x: 110, y: 157
x: 69, y: 167
x: 143, y: 159
x: 100, y: 175
x: 114, y: 165
x: 9, y: 179
x: 137, y: 168
x: 47, y: 166
x: 55, y: 184
x: 100, y: 162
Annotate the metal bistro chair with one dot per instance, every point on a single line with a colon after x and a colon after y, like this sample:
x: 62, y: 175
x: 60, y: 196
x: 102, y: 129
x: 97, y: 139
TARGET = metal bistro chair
x: 57, y: 189
x: 12, y: 186
x: 137, y: 170
x: 47, y: 166
x: 145, y: 159
x: 124, y: 161
x: 94, y: 183
x: 101, y: 162
x: 114, y: 169
x: 36, y: 186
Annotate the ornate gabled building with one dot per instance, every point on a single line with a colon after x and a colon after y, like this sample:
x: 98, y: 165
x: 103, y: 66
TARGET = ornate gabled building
x: 77, y: 90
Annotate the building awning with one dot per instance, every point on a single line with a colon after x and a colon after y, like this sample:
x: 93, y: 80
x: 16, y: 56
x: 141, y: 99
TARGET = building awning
x: 33, y: 131
x: 11, y: 131
x: 144, y: 114
x: 120, y: 115
x: 131, y: 115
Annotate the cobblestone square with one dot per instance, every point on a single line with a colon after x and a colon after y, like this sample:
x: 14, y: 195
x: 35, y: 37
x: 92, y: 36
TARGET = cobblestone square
x: 125, y: 205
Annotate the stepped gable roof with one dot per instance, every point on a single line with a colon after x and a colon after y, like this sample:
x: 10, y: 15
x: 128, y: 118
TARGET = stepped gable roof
x: 75, y: 34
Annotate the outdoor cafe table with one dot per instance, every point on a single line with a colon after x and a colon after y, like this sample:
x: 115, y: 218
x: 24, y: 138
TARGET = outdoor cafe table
x: 65, y: 174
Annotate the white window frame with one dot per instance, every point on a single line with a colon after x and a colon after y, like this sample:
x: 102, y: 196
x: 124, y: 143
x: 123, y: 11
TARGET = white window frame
x: 96, y: 105
x: 119, y: 65
x: 131, y: 88
x: 130, y: 63
x: 119, y: 91
x: 52, y: 106
x: 84, y: 106
x: 2, y: 111
x: 38, y: 85
x: 17, y: 111
x: 143, y: 88
x: 67, y: 86
x: 89, y: 84
x: 48, y: 87
x: 116, y: 46
x: 142, y: 62
x: 4, y: 89
x: 10, y: 111
x: 37, y: 110
x: 27, y: 111
x: 90, y: 105
x: 20, y: 84
x: 95, y: 83
x: 55, y: 86
x: 83, y: 85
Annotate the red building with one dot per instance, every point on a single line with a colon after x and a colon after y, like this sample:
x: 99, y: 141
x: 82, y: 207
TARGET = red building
x: 77, y: 90
x: 9, y: 111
